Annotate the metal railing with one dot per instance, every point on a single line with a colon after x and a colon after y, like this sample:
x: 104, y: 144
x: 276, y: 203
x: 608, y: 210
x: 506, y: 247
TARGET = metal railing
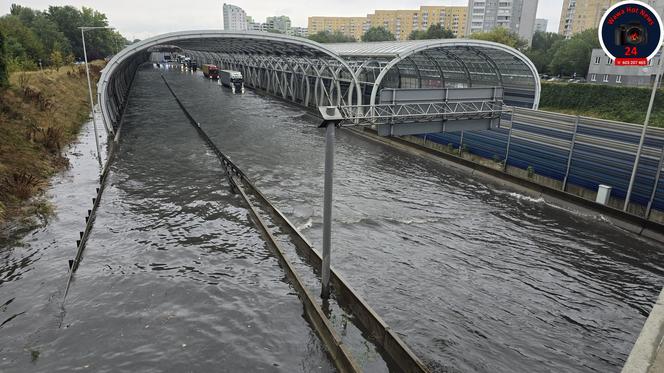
x: 358, y: 115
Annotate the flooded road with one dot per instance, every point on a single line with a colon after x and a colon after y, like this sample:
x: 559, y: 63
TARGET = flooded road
x: 176, y: 277
x: 475, y: 278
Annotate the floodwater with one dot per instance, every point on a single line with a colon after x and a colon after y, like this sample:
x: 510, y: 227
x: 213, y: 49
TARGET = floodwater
x: 474, y: 277
x: 176, y: 277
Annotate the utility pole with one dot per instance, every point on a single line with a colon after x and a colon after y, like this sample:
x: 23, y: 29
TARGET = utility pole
x: 645, y: 127
x: 87, y: 72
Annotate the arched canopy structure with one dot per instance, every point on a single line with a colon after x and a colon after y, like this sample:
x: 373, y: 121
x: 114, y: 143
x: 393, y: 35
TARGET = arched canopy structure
x: 445, y: 63
x: 297, y: 69
x: 349, y: 74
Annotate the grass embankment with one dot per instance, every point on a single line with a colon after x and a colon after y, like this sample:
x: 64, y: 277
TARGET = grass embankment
x: 625, y: 104
x: 40, y: 113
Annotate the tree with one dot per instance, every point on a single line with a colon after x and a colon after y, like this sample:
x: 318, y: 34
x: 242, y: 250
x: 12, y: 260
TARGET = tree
x: 328, y: 37
x: 589, y: 36
x: 4, y: 71
x: 544, y: 46
x: 378, y: 34
x: 57, y: 60
x: 503, y: 36
x: 49, y: 34
x: 69, y: 59
x: 99, y: 43
x: 573, y: 56
x: 23, y: 45
x: 433, y: 32
x: 544, y: 41
x: 32, y: 35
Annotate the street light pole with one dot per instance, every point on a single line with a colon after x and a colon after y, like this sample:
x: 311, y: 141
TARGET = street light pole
x: 87, y: 72
x: 327, y: 209
x: 643, y: 131
x: 331, y: 118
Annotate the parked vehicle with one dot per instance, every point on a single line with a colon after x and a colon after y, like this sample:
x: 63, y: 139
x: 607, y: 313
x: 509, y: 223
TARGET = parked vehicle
x: 232, y: 79
x: 210, y: 71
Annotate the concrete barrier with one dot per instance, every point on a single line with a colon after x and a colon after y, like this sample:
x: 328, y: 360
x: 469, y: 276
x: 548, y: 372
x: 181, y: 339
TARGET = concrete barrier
x: 647, y: 355
x: 517, y: 181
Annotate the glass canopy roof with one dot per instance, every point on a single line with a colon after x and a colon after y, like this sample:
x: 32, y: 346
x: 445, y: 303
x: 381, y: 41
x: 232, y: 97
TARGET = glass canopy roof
x: 313, y: 74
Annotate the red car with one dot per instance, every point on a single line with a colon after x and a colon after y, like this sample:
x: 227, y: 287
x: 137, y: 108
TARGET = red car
x: 210, y: 71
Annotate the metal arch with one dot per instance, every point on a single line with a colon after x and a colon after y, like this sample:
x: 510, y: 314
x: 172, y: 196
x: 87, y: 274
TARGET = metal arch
x: 413, y: 48
x: 491, y: 62
x: 337, y: 73
x: 417, y: 68
x: 455, y: 57
x: 440, y: 69
x: 258, y: 43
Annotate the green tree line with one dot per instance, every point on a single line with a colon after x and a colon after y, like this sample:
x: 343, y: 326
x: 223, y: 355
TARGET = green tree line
x: 554, y: 55
x: 53, y: 36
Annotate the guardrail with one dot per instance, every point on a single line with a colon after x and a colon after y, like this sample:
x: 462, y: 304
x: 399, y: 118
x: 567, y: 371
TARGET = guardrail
x: 582, y: 151
x: 91, y: 215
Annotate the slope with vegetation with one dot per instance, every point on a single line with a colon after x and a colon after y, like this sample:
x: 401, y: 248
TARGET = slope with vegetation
x: 41, y: 111
x: 625, y: 104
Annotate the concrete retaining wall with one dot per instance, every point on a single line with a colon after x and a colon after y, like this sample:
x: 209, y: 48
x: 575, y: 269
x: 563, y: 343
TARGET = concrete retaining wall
x: 647, y: 355
x: 617, y: 203
x: 535, y: 186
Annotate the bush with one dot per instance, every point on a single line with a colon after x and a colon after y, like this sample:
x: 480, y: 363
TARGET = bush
x: 22, y: 185
x: 4, y: 71
x: 52, y: 139
x: 626, y: 104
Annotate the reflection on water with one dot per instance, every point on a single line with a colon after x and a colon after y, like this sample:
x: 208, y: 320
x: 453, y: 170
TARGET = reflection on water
x: 475, y: 278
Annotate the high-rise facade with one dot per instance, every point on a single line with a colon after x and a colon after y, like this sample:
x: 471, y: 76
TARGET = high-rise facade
x: 580, y: 15
x: 298, y: 31
x: 278, y: 23
x: 235, y: 18
x: 399, y: 22
x: 349, y: 26
x: 541, y: 24
x: 517, y: 16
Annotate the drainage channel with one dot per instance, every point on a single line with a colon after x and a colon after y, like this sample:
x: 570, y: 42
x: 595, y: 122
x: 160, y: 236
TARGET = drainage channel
x: 344, y: 303
x: 90, y: 217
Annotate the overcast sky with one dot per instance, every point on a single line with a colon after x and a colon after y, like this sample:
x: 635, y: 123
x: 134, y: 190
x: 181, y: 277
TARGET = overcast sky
x: 137, y: 19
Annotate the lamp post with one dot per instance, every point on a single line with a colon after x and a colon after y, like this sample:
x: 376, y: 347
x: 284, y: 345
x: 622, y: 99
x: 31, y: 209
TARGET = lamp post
x: 331, y: 118
x: 87, y: 72
x: 643, y: 131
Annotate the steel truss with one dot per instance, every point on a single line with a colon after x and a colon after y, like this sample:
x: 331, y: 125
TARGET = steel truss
x: 419, y: 112
x: 308, y: 81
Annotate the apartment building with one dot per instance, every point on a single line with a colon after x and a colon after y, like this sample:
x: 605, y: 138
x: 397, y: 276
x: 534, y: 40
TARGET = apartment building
x: 517, y: 16
x: 302, y: 32
x: 603, y: 70
x: 349, y: 26
x: 235, y: 18
x: 541, y: 24
x: 278, y: 23
x: 580, y: 15
x: 399, y: 22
